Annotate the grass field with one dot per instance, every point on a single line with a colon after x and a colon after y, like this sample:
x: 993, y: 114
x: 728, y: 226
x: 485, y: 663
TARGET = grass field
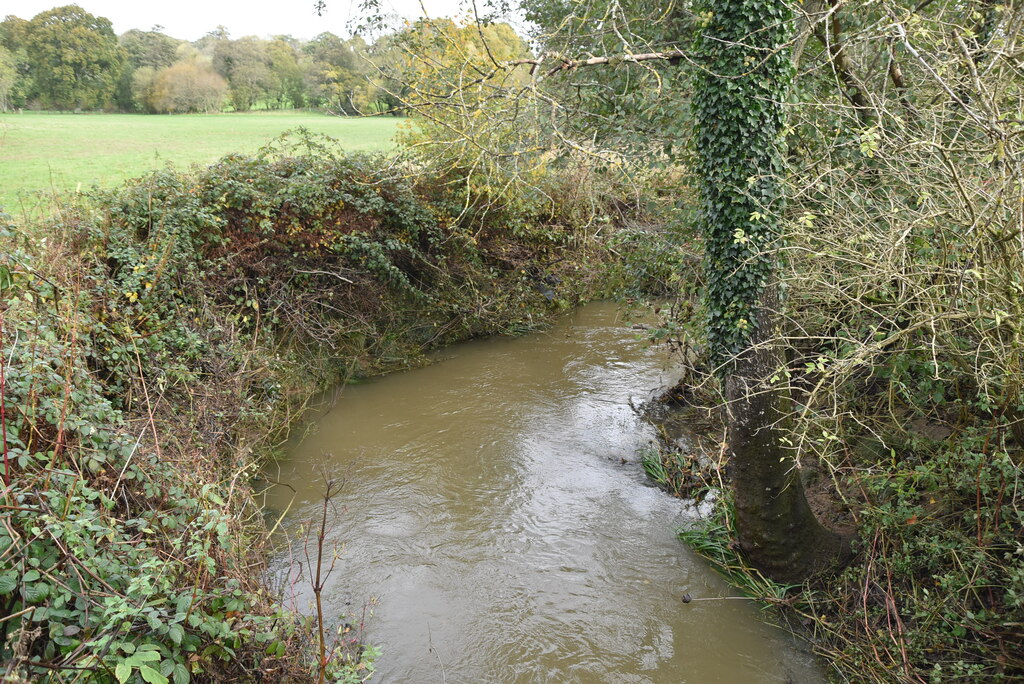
x: 53, y: 152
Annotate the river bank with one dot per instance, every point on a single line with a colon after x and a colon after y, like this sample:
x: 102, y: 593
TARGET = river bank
x: 160, y: 339
x: 914, y: 497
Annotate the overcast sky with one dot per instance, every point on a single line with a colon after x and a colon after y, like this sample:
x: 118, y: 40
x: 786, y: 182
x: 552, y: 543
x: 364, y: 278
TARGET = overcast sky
x: 192, y: 19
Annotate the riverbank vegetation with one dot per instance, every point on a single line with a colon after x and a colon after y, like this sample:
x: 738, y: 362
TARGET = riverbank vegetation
x: 159, y: 339
x: 899, y: 253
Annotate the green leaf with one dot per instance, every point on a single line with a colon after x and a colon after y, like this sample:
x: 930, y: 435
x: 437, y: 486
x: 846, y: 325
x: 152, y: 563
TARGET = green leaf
x: 152, y: 676
x: 181, y: 674
x: 123, y: 671
x: 8, y: 582
x: 176, y: 633
x: 37, y: 592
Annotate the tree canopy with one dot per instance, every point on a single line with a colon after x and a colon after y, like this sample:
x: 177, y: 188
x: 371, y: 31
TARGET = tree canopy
x: 75, y: 58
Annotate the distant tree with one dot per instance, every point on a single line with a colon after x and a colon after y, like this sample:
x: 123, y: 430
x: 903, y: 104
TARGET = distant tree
x: 246, y: 66
x: 208, y: 43
x: 75, y: 58
x: 339, y: 73
x: 149, y: 48
x: 188, y: 86
x: 190, y: 52
x: 146, y: 52
x: 142, y: 89
x: 288, y: 71
x: 12, y: 32
x: 12, y: 38
x: 8, y: 78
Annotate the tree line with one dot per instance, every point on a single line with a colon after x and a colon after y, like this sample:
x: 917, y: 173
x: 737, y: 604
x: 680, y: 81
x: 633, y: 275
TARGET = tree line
x: 68, y: 59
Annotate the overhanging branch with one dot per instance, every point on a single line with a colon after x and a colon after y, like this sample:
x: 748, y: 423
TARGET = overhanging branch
x: 572, y: 64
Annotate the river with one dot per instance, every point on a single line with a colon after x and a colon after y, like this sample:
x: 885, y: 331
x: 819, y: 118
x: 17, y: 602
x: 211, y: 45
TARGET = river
x: 496, y: 526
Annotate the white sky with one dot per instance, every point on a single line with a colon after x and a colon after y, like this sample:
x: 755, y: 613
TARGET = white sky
x: 192, y: 19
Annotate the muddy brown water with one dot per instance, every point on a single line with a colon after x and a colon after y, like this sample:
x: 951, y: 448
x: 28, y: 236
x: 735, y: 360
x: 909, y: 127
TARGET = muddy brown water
x: 497, y: 527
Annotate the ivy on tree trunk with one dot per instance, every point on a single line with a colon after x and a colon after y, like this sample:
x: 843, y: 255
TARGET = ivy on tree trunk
x: 742, y: 84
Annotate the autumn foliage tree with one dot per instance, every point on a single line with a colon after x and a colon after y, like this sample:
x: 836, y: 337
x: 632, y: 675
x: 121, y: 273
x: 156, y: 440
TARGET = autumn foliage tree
x: 187, y: 86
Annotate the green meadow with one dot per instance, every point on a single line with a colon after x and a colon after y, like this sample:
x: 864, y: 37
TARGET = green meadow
x: 42, y: 153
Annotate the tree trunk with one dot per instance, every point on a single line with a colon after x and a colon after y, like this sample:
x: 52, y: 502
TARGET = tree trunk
x: 778, y: 532
x: 739, y: 108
